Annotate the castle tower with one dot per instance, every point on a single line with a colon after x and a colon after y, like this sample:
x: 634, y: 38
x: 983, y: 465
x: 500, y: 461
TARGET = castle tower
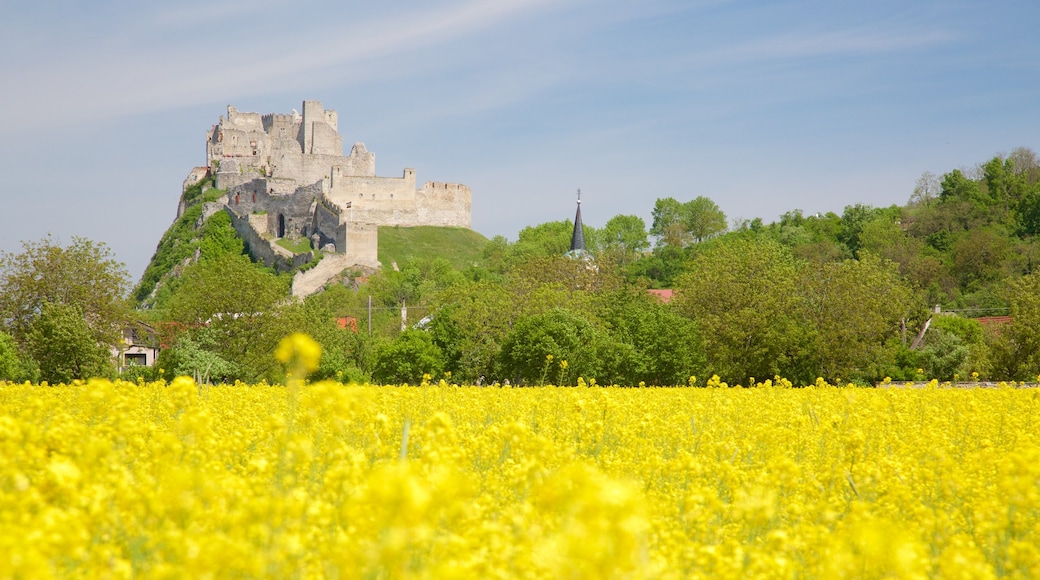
x: 312, y: 112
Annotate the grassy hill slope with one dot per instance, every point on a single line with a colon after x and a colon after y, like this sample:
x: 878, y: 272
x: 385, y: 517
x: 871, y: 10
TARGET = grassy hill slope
x: 460, y: 246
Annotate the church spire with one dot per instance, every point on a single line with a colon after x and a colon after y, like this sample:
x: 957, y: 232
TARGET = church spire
x: 578, y: 237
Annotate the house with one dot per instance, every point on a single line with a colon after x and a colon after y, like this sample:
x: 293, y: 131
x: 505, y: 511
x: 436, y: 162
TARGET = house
x: 139, y: 346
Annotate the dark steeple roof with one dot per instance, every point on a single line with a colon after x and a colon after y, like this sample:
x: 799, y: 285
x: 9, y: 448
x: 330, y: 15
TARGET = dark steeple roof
x: 578, y: 237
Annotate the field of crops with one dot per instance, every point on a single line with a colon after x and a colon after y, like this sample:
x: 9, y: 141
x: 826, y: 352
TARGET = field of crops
x: 115, y: 479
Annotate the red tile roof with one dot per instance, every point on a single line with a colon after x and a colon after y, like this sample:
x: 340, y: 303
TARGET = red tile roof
x: 665, y: 295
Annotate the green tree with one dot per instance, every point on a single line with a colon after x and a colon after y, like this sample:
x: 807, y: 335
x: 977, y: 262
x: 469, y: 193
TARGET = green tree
x: 1015, y: 348
x: 65, y: 347
x: 667, y: 215
x: 703, y: 218
x: 405, y: 360
x: 853, y: 307
x: 14, y: 365
x: 560, y: 333
x: 625, y: 236
x: 219, y: 238
x: 679, y: 224
x: 742, y: 295
x: 240, y: 302
x: 195, y: 355
x: 668, y: 346
x: 469, y: 324
x: 342, y: 349
x: 82, y: 275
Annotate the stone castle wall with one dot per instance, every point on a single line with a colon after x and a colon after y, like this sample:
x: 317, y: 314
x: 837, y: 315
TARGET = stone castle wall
x: 286, y: 176
x: 263, y: 250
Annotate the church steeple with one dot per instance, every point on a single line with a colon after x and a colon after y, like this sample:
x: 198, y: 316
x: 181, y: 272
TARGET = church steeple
x: 578, y: 237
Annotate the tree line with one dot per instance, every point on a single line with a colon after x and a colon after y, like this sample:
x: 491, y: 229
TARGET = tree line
x: 848, y: 297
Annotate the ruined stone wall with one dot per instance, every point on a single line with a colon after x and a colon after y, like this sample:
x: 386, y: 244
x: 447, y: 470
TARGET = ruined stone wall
x: 329, y: 224
x: 263, y: 250
x: 286, y: 175
x: 444, y: 204
x: 362, y: 243
x: 288, y: 215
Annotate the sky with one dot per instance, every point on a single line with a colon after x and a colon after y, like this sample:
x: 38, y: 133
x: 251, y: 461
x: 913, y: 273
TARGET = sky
x: 762, y: 106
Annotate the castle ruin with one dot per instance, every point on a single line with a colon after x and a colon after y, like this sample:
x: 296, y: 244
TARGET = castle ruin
x: 286, y: 178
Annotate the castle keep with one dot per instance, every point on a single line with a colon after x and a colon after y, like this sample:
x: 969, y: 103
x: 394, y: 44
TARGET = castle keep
x: 286, y: 177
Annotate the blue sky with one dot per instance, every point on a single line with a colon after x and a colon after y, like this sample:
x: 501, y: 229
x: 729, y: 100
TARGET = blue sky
x: 762, y: 106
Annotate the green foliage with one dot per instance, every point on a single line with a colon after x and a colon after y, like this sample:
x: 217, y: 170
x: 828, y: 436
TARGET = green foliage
x: 405, y: 360
x: 342, y: 350
x: 412, y: 282
x: 742, y: 294
x: 215, y: 237
x: 469, y: 323
x: 624, y: 236
x: 176, y: 245
x: 852, y: 308
x: 560, y: 333
x: 549, y: 239
x: 679, y: 224
x: 1015, y: 347
x: 218, y: 238
x: 14, y: 365
x: 668, y: 347
x: 82, y: 275
x: 240, y: 302
x: 195, y: 355
x: 64, y: 346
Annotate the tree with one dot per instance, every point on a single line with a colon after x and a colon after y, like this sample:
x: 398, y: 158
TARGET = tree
x: 341, y: 348
x: 469, y: 324
x: 1015, y: 348
x: 703, y: 218
x: 852, y: 308
x: 624, y: 235
x: 65, y: 347
x: 743, y: 297
x: 668, y: 347
x: 956, y: 186
x: 82, y: 275
x: 14, y: 365
x: 196, y: 357
x: 926, y: 190
x: 241, y: 303
x: 679, y: 224
x: 666, y: 214
x: 558, y: 333
x: 405, y: 360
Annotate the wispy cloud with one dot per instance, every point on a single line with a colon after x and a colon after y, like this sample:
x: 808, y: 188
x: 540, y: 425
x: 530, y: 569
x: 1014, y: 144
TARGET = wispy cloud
x: 79, y: 83
x: 850, y: 42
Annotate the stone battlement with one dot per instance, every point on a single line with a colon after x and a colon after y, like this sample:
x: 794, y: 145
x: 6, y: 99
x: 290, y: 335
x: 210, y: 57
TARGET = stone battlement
x: 290, y: 168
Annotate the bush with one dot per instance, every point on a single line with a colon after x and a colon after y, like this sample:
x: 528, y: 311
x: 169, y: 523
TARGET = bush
x: 405, y: 360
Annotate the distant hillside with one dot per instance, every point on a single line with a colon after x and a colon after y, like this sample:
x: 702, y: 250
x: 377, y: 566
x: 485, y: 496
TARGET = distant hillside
x: 460, y: 246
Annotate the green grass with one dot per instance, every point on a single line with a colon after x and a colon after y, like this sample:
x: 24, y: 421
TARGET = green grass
x: 299, y: 246
x: 460, y: 246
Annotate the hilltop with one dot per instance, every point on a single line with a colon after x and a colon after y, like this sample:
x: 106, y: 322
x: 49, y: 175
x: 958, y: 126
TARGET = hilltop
x: 278, y: 187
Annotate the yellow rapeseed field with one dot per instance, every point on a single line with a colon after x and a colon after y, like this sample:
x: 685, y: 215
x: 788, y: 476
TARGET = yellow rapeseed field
x: 118, y: 480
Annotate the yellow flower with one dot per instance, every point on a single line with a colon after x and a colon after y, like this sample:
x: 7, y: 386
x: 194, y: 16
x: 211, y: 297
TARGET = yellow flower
x: 300, y: 352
